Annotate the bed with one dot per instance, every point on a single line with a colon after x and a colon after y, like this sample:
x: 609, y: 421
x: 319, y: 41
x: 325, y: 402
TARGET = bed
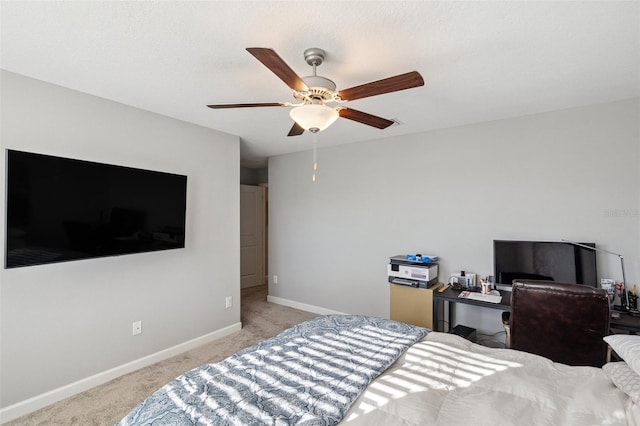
x: 361, y: 370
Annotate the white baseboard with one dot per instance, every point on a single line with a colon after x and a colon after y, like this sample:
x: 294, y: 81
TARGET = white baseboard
x: 302, y: 306
x: 30, y: 405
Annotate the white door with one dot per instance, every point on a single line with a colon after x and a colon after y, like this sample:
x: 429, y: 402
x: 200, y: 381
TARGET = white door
x: 252, y: 230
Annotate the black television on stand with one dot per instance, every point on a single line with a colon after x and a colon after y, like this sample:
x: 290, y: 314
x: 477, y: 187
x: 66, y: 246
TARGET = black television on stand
x: 62, y: 209
x: 543, y: 260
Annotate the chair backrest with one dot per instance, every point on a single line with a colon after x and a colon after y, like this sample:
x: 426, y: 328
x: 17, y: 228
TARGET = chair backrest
x: 560, y: 321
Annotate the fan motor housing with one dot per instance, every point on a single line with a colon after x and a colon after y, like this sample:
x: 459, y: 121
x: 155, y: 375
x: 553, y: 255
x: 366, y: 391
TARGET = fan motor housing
x: 319, y: 88
x: 314, y: 56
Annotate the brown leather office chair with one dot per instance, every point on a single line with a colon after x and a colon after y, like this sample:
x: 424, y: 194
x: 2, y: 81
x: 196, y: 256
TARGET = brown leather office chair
x: 560, y: 321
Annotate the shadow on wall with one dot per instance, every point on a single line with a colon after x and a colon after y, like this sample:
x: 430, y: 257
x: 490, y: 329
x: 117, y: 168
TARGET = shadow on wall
x: 254, y: 175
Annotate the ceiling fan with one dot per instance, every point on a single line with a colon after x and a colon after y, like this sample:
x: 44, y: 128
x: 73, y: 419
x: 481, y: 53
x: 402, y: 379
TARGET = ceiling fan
x: 314, y: 93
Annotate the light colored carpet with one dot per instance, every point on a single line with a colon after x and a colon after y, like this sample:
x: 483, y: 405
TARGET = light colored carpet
x: 109, y: 403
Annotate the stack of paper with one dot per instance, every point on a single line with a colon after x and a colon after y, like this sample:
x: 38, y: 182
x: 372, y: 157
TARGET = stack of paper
x: 491, y: 298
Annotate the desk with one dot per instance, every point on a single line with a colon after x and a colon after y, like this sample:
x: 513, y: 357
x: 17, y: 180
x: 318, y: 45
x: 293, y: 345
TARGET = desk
x: 451, y: 296
x: 626, y: 322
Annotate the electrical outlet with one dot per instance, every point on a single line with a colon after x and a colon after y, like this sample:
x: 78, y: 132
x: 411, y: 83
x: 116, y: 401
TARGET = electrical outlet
x: 275, y: 279
x: 229, y: 302
x: 137, y: 327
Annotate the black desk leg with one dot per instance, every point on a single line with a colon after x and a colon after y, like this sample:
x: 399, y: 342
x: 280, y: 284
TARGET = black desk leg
x: 436, y: 315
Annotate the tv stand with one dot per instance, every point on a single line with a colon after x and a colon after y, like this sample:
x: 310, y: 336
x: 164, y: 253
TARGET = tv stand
x: 503, y: 287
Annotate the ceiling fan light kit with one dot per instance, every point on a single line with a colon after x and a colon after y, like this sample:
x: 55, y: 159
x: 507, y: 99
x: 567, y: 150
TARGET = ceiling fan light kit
x: 314, y: 117
x: 314, y: 92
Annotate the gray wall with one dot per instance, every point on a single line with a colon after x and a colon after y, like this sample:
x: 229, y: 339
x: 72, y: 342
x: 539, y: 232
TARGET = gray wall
x: 571, y: 174
x: 61, y: 323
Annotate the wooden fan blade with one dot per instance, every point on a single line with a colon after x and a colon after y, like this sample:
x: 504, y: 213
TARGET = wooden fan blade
x: 263, y: 104
x: 271, y: 60
x: 296, y: 130
x: 365, y: 118
x: 387, y: 85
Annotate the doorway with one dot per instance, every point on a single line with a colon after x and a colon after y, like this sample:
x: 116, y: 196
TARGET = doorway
x: 253, y: 236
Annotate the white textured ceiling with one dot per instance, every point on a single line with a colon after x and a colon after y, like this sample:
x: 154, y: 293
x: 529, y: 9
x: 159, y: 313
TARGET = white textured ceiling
x: 481, y: 61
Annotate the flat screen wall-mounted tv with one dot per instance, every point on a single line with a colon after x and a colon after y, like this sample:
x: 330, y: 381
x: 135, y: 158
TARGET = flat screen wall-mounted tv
x: 61, y: 209
x: 544, y: 260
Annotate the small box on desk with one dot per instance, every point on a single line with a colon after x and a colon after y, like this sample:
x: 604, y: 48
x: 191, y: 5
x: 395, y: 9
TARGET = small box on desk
x: 464, y: 331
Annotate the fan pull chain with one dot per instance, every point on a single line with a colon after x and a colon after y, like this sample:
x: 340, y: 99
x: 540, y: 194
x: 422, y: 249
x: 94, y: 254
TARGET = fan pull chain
x: 315, y: 157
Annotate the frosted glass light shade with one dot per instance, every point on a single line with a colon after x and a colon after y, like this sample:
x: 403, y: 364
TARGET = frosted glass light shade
x: 313, y: 117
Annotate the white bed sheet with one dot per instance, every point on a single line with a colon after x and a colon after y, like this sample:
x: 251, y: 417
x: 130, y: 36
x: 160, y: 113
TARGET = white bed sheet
x: 447, y: 380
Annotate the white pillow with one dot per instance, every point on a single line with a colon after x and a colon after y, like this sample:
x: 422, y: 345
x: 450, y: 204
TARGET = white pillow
x: 624, y: 378
x: 627, y: 346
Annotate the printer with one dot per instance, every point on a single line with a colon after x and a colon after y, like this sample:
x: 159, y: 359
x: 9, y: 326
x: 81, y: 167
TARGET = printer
x: 420, y: 272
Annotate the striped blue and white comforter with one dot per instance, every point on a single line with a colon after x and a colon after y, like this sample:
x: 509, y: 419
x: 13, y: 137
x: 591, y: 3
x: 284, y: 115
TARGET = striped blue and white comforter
x: 309, y: 374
